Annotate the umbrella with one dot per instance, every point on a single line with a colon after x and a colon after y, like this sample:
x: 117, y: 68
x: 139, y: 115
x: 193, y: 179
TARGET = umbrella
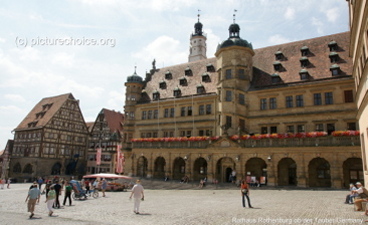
x: 107, y: 175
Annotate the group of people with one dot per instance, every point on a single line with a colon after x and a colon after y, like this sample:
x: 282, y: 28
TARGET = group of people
x: 52, y: 191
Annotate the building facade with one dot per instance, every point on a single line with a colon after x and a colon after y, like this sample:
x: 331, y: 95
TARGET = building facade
x: 358, y: 52
x: 284, y: 115
x: 106, y: 134
x: 51, y: 140
x: 5, y: 160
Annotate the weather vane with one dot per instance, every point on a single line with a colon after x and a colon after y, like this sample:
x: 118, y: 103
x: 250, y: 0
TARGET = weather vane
x: 234, y: 15
x: 198, y: 14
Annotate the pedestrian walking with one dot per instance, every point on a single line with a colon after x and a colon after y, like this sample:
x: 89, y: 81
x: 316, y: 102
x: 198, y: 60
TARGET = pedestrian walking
x: 138, y: 193
x: 47, y: 187
x: 57, y: 188
x: 8, y: 182
x: 103, y: 187
x: 68, y: 193
x: 2, y: 183
x: 40, y: 182
x: 33, y: 197
x: 244, y: 190
x: 50, y: 199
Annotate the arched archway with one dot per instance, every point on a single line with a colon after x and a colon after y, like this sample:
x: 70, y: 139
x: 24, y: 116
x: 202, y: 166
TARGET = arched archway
x: 255, y: 168
x: 142, y: 166
x: 159, y: 169
x: 199, y: 168
x: 28, y: 169
x: 224, y: 167
x: 56, y: 169
x: 178, y: 168
x: 286, y: 170
x: 17, y: 168
x: 319, y: 173
x: 353, y: 171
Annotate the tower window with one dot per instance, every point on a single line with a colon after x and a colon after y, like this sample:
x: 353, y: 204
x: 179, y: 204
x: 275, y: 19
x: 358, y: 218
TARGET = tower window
x: 333, y: 46
x: 263, y: 104
x: 188, y: 72
x: 241, y: 99
x: 277, y: 66
x: 206, y: 77
x: 328, y: 98
x: 304, y: 62
x: 317, y: 99
x: 200, y: 89
x: 279, y: 55
x: 241, y: 74
x: 183, y: 81
x: 305, y: 51
x: 210, y: 68
x: 335, y: 70
x: 304, y: 75
x: 275, y: 78
x: 334, y: 57
x: 228, y: 122
x: 156, y: 95
x: 228, y: 96
x: 228, y: 74
x: 177, y: 92
x: 168, y: 75
x: 162, y: 85
x: 348, y: 96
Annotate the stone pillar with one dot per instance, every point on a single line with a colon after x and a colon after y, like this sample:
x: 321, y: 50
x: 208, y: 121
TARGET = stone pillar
x: 271, y: 174
x: 336, y: 175
x: 301, y: 173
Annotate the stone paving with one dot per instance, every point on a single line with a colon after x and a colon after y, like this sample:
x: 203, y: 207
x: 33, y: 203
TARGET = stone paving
x: 205, y: 206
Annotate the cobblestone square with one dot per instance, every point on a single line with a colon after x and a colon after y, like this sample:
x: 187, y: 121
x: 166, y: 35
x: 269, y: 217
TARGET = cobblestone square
x: 206, y: 206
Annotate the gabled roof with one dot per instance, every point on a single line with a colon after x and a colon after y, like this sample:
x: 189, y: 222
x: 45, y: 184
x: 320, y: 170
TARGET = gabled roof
x: 178, y: 71
x: 318, y: 57
x: 43, y: 112
x: 90, y: 126
x: 114, y: 120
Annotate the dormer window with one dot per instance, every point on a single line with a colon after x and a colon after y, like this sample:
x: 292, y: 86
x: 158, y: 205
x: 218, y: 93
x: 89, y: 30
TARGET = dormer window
x: 162, y: 85
x: 279, y: 55
x: 304, y: 50
x: 304, y: 62
x: 200, y: 89
x: 275, y: 78
x: 188, y: 72
x: 177, y: 92
x: 40, y: 115
x: 304, y: 75
x: 277, y: 66
x: 46, y: 106
x: 210, y: 68
x: 333, y: 46
x: 335, y: 70
x: 334, y: 57
x: 156, y: 95
x: 206, y: 77
x: 168, y: 75
x: 183, y: 81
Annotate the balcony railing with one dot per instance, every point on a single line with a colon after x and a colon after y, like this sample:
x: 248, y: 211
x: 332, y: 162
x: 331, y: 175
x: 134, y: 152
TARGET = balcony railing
x: 262, y: 143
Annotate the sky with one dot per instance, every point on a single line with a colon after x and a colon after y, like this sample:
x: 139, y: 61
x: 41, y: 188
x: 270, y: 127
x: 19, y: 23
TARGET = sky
x: 90, y: 47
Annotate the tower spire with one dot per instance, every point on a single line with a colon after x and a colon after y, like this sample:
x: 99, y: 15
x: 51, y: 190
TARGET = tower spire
x: 199, y: 14
x: 234, y: 15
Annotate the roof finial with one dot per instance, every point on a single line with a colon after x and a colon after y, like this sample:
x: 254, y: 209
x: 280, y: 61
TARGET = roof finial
x: 199, y: 14
x: 234, y: 15
x: 135, y: 69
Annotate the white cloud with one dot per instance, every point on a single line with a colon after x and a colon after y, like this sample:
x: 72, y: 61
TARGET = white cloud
x: 14, y: 98
x: 318, y: 24
x: 212, y: 42
x: 116, y: 100
x: 289, y: 14
x: 2, y: 40
x: 278, y: 39
x: 10, y: 109
x: 332, y: 14
x: 63, y: 59
x: 165, y: 50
